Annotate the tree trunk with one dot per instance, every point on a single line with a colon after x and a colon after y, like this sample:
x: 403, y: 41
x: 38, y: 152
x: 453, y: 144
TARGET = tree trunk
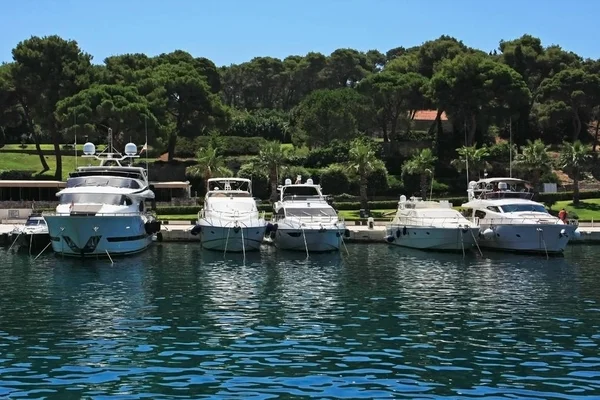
x: 576, y: 188
x: 595, y: 145
x: 424, y: 186
x: 171, y: 146
x: 36, y: 139
x: 364, y: 200
x: 273, y: 180
x: 472, y: 130
x: 58, y: 173
x: 576, y: 125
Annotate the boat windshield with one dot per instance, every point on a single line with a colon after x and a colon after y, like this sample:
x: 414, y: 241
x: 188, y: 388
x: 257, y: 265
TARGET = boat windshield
x: 95, y: 198
x: 103, y: 181
x: 35, y: 222
x: 508, y: 208
x: 310, y: 212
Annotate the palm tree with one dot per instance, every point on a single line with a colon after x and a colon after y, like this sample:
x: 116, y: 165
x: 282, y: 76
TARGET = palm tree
x: 473, y: 157
x: 271, y: 157
x: 210, y: 165
x: 421, y: 164
x: 574, y: 160
x: 363, y: 161
x: 534, y: 160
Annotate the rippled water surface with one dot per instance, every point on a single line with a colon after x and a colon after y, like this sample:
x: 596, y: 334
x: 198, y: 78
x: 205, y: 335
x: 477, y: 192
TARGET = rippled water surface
x: 179, y: 322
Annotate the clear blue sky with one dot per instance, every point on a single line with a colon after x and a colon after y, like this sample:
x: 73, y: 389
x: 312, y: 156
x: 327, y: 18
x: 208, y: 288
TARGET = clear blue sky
x: 234, y: 31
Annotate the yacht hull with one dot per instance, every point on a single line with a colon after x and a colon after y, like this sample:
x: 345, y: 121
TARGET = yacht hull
x: 429, y: 238
x: 317, y: 239
x: 532, y: 238
x: 94, y: 236
x: 229, y: 238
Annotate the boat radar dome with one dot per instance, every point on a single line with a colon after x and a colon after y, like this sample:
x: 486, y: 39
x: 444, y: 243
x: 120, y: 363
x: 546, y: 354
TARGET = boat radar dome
x: 502, y: 185
x: 89, y: 149
x: 403, y: 199
x: 309, y: 181
x: 472, y: 184
x: 288, y: 181
x: 130, y: 149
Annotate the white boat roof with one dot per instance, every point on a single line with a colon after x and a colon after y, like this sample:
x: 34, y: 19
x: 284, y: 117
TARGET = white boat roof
x: 507, y: 180
x: 223, y: 180
x: 102, y: 190
x: 498, y: 202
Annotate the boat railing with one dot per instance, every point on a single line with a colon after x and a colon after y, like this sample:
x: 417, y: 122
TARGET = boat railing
x: 432, y: 222
x: 518, y: 221
x: 98, y: 214
x: 235, y: 215
x: 311, y: 219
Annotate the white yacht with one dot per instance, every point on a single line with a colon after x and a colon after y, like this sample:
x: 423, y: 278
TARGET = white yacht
x: 33, y: 234
x: 510, y: 220
x: 102, y: 211
x: 229, y: 220
x: 304, y: 220
x: 430, y: 225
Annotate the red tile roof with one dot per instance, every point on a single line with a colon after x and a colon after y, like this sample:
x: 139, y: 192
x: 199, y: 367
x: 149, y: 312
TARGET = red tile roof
x: 429, y: 115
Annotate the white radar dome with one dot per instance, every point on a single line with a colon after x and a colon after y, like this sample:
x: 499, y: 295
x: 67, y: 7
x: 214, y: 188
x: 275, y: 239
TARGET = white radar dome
x: 403, y: 199
x: 288, y: 181
x: 130, y: 149
x: 309, y: 181
x: 89, y: 149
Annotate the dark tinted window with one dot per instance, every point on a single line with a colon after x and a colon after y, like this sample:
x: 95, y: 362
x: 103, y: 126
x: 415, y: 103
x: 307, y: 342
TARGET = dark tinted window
x: 95, y: 198
x: 103, y: 181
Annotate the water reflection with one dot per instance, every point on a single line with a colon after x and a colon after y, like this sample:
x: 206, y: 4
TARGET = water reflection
x: 379, y: 322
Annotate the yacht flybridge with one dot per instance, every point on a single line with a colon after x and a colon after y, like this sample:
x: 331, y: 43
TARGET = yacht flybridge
x: 304, y: 220
x: 510, y: 220
x: 431, y: 225
x: 229, y: 220
x: 102, y: 211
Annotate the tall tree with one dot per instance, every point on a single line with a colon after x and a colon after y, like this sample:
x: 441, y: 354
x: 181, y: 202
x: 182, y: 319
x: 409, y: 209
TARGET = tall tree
x: 395, y: 97
x: 271, y: 157
x: 534, y: 160
x: 574, y: 159
x: 210, y: 165
x: 473, y: 85
x: 421, y: 164
x: 325, y: 115
x: 471, y: 159
x: 363, y: 161
x: 345, y: 68
x: 571, y: 94
x: 182, y: 100
x: 47, y: 70
x: 120, y: 108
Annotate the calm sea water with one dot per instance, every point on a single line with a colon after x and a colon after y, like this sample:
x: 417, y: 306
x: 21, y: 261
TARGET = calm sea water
x: 383, y: 322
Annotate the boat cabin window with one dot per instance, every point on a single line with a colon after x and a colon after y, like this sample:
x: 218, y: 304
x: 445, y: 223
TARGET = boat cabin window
x: 480, y: 214
x: 310, y: 212
x: 95, y: 198
x: 493, y: 208
x: 300, y: 191
x: 508, y: 208
x: 35, y: 222
x: 103, y: 181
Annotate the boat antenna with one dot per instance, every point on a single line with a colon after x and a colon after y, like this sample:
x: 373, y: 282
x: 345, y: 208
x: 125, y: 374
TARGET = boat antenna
x: 466, y: 151
x: 75, y: 125
x: 146, y: 146
x: 510, y: 147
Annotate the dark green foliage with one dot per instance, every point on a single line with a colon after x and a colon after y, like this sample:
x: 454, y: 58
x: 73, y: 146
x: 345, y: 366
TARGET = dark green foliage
x: 334, y: 180
x: 230, y: 146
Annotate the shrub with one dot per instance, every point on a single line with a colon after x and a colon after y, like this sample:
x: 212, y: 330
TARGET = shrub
x: 335, y: 152
x: 334, y: 179
x: 259, y: 178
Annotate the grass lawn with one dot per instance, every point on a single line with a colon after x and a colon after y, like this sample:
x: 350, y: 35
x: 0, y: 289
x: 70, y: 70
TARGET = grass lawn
x: 587, y: 210
x: 31, y: 162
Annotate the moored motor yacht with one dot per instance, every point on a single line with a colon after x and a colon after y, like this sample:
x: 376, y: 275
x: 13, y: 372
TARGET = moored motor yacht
x: 510, y: 220
x: 303, y: 219
x: 31, y: 235
x: 229, y: 220
x: 102, y: 211
x: 430, y: 225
